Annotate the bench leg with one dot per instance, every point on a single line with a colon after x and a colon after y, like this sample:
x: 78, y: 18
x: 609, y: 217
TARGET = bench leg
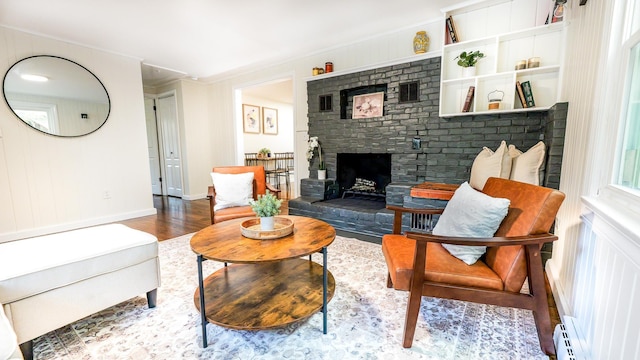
x: 151, y: 298
x: 27, y: 350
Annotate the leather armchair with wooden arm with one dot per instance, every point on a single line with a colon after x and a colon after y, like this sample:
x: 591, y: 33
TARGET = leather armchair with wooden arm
x: 417, y: 262
x: 260, y: 186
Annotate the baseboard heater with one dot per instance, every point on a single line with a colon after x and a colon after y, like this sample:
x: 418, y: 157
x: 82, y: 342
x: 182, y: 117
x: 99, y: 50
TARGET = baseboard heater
x: 570, y: 344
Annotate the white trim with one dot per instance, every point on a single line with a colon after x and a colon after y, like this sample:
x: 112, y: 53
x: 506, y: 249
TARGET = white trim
x: 620, y: 208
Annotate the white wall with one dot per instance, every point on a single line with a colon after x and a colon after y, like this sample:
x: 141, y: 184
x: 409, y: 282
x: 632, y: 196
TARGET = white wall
x: 283, y: 141
x: 49, y: 183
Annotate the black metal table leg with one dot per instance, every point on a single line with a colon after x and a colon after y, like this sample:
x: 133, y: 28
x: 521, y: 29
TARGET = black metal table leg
x: 203, y: 313
x: 325, y: 285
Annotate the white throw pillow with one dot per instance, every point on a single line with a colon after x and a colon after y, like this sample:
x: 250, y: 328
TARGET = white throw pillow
x: 526, y: 166
x: 470, y: 213
x: 490, y: 164
x: 232, y: 189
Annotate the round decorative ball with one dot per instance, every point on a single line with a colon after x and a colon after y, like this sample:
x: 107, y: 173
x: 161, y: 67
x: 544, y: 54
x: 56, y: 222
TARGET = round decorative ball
x: 421, y: 42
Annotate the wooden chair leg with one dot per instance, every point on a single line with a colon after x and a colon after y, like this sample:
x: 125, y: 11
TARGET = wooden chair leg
x: 389, y: 282
x: 539, y: 292
x: 415, y: 293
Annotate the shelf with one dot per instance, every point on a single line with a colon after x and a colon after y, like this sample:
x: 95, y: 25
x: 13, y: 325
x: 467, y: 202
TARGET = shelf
x: 497, y: 112
x: 506, y: 32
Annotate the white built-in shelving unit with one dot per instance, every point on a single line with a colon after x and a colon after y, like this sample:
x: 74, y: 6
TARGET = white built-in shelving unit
x: 506, y: 31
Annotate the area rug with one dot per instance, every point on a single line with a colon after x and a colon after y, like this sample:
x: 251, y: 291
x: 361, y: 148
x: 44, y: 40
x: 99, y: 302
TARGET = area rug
x: 365, y: 321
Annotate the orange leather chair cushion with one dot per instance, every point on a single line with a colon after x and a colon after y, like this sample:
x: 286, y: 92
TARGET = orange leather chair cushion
x: 441, y: 266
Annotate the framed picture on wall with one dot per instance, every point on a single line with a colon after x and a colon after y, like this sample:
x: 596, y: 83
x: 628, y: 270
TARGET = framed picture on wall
x: 251, y: 119
x: 269, y: 121
x: 368, y: 105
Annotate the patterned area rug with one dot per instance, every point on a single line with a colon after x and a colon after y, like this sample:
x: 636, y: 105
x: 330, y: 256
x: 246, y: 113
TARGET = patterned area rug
x: 365, y: 321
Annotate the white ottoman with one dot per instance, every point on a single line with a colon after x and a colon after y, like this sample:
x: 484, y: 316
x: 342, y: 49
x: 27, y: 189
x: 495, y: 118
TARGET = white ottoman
x: 50, y: 281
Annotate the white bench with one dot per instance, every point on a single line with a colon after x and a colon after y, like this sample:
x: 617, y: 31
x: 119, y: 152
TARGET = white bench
x: 50, y: 281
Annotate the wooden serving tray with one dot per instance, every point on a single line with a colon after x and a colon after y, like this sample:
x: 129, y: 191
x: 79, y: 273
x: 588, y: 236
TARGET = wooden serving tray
x: 251, y: 229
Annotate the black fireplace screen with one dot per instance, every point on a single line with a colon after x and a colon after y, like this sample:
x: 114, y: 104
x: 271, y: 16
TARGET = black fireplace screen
x: 363, y: 173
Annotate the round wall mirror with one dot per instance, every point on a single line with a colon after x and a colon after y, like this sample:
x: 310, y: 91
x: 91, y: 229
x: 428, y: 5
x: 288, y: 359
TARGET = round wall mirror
x: 56, y: 96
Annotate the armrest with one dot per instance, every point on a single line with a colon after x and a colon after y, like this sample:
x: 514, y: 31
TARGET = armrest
x: 538, y: 239
x: 273, y: 189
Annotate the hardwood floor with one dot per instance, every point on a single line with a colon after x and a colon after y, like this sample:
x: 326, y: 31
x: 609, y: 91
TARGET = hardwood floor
x: 178, y: 217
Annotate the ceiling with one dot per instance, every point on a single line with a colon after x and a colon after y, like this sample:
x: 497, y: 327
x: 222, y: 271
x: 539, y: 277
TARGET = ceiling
x: 209, y: 38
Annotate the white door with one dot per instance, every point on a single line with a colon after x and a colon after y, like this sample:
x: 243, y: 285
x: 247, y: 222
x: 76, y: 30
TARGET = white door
x: 168, y: 122
x: 152, y: 140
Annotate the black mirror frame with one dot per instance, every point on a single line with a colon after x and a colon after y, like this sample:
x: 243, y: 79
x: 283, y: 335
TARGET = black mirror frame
x: 71, y: 61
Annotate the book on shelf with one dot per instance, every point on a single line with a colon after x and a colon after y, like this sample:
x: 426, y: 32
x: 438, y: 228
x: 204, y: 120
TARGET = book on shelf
x: 521, y: 95
x: 451, y: 29
x: 528, y: 94
x: 467, y: 102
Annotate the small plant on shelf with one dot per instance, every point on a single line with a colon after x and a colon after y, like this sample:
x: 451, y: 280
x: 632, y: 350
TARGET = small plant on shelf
x: 264, y: 153
x: 469, y: 59
x: 267, y: 205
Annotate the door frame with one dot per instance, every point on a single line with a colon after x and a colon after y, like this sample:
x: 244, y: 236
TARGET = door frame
x: 156, y: 135
x: 161, y: 145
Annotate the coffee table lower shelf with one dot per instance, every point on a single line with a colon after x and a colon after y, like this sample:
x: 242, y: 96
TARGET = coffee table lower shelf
x: 264, y: 295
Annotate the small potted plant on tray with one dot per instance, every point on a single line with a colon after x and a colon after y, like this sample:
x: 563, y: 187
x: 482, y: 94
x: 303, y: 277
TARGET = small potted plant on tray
x: 266, y: 207
x: 468, y: 60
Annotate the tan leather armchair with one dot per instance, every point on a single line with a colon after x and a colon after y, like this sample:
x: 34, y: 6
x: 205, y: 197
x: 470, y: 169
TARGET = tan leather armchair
x: 418, y: 262
x: 260, y: 186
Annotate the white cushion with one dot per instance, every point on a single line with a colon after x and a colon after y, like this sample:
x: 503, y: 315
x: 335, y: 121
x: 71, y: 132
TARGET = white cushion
x: 470, y: 213
x: 8, y: 340
x: 526, y: 166
x: 488, y: 164
x: 232, y: 189
x: 35, y: 265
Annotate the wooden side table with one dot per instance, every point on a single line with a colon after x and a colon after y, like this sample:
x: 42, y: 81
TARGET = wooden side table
x: 268, y: 284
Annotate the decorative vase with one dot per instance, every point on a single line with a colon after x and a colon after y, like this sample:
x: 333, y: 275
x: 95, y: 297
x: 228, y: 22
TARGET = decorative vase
x: 322, y: 174
x: 267, y: 223
x: 469, y: 71
x: 421, y: 42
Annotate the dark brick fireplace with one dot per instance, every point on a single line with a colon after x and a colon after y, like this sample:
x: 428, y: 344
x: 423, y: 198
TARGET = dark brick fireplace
x: 421, y: 145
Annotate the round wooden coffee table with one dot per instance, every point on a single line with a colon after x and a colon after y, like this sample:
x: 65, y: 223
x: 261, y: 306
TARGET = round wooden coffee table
x: 268, y: 284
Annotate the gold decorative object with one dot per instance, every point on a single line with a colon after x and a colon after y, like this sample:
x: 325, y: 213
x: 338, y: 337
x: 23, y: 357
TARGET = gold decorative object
x: 251, y: 229
x: 421, y: 42
x: 521, y: 65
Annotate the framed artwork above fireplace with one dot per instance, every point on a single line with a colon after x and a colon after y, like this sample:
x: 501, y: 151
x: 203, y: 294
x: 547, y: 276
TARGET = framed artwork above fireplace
x: 368, y: 105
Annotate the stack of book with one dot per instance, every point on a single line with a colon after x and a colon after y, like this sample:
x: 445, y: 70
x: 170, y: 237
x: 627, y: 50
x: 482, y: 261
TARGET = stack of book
x: 525, y: 94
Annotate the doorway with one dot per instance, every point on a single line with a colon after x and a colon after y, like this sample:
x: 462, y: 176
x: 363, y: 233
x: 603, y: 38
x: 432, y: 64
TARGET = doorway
x: 164, y: 144
x: 276, y: 132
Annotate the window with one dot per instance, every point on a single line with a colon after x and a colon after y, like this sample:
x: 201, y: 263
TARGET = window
x: 629, y: 168
x: 39, y: 116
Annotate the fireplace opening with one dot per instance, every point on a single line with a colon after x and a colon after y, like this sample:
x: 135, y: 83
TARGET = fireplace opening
x: 365, y: 175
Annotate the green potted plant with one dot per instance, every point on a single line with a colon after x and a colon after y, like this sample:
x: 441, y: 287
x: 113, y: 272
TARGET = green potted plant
x: 468, y: 60
x: 266, y: 207
x: 264, y: 153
